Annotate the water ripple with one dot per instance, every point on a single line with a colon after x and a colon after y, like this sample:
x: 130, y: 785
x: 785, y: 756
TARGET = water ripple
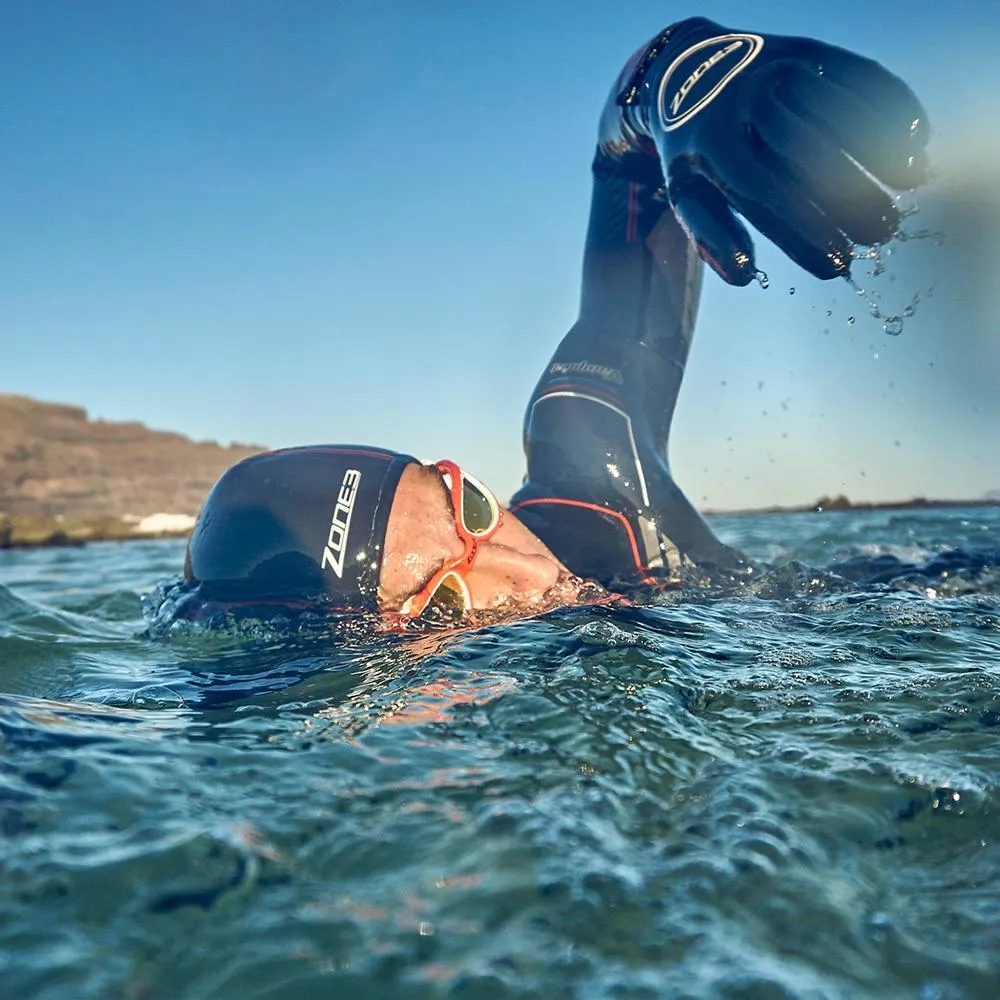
x: 781, y: 789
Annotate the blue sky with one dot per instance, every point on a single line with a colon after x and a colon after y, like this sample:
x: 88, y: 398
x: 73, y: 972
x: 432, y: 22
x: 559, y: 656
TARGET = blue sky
x: 292, y: 222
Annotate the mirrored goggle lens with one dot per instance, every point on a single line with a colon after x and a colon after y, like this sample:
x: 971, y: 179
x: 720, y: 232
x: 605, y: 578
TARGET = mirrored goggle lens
x: 451, y: 596
x: 480, y: 512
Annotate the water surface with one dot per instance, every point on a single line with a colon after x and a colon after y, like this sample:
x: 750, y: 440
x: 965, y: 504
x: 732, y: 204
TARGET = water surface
x: 786, y: 791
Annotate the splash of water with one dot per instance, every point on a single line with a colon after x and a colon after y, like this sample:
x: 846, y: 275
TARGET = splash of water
x: 892, y: 324
x: 877, y: 258
x: 904, y: 236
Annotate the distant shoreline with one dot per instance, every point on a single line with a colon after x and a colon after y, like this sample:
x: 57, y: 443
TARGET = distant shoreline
x: 826, y: 505
x: 52, y: 532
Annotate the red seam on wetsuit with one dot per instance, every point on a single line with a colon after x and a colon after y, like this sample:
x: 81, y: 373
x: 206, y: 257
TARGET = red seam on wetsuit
x: 590, y: 506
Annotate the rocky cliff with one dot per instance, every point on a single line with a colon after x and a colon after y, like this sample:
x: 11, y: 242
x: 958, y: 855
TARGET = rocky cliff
x: 55, y: 462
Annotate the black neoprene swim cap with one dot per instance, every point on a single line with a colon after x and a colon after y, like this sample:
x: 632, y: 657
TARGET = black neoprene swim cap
x: 300, y: 523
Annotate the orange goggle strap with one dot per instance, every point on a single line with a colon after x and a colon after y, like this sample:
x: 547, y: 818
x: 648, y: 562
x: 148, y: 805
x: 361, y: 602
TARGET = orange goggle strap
x: 457, y: 568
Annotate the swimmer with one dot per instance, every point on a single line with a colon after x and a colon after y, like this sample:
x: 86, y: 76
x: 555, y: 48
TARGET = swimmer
x: 703, y: 125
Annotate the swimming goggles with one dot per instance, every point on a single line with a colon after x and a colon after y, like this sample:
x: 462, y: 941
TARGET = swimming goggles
x: 477, y: 517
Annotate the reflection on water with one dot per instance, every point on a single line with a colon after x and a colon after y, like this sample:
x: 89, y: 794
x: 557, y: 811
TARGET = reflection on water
x: 787, y: 789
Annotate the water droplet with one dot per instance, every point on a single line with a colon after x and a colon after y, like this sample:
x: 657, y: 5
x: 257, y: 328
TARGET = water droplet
x: 914, y: 126
x: 762, y: 279
x: 893, y: 326
x: 850, y: 321
x: 829, y: 312
x: 841, y: 261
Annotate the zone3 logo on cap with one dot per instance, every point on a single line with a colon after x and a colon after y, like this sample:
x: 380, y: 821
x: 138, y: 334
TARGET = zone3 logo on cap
x: 702, y: 72
x: 340, y: 524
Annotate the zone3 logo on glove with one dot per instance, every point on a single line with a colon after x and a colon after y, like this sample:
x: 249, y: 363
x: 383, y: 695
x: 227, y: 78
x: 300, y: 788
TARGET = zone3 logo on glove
x: 703, y: 71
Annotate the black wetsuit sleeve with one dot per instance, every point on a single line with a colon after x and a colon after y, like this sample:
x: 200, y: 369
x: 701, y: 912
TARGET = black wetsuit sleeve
x: 598, y: 488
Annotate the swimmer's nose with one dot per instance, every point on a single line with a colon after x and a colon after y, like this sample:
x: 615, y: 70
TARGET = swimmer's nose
x: 513, y: 564
x: 512, y: 534
x: 529, y: 571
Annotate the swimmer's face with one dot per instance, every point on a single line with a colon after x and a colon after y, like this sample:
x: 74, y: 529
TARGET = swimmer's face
x: 513, y: 574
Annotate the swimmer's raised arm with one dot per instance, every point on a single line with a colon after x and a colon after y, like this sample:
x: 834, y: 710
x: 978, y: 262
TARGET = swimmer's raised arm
x: 599, y: 489
x: 703, y: 122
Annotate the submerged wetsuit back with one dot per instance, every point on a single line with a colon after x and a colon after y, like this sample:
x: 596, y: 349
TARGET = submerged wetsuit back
x: 598, y: 489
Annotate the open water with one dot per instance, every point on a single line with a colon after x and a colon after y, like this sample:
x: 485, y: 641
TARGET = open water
x: 787, y: 790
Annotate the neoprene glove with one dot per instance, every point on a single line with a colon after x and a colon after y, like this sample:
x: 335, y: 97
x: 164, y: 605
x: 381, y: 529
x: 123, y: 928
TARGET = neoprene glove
x: 799, y: 137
